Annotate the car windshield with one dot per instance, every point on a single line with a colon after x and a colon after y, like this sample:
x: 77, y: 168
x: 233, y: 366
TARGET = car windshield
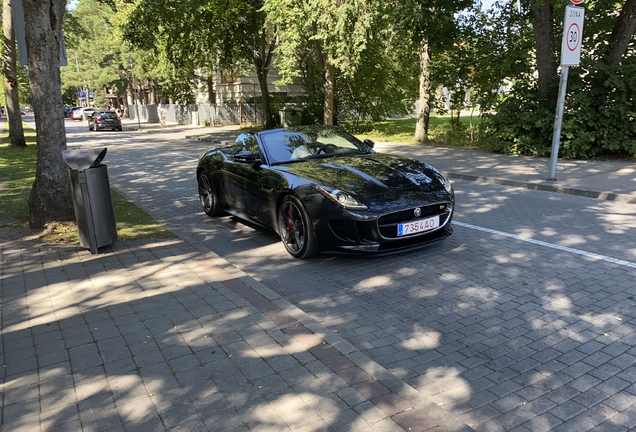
x: 298, y: 144
x: 108, y: 115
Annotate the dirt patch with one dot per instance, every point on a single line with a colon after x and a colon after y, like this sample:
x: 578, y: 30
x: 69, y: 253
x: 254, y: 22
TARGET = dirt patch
x: 10, y: 229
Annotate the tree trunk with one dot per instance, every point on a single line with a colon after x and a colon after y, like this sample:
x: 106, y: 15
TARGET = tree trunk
x: 16, y: 133
x: 268, y: 119
x: 262, y: 61
x: 545, y: 50
x: 424, y: 112
x: 329, y: 86
x: 622, y: 33
x: 50, y: 198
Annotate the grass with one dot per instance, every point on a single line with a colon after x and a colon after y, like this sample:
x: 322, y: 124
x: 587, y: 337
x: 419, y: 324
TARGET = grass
x: 17, y: 173
x: 402, y: 131
x: 439, y: 131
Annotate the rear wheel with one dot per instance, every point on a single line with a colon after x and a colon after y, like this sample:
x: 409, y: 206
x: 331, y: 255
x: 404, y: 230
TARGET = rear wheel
x: 208, y: 197
x: 296, y: 230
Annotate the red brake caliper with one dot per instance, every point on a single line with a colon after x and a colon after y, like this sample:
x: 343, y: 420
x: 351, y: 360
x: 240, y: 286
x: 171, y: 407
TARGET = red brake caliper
x: 289, y: 216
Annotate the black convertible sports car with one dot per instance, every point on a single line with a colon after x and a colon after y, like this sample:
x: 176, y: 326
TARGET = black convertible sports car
x: 324, y: 190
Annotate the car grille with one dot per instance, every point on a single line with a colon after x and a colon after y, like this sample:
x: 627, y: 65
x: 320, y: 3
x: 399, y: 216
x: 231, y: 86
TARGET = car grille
x: 408, y: 215
x: 387, y: 224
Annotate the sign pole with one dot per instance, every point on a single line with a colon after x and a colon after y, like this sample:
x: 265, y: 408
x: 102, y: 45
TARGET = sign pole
x: 558, y: 119
x: 570, y: 56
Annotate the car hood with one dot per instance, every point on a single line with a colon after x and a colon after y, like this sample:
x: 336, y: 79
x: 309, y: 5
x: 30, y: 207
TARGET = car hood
x: 372, y: 175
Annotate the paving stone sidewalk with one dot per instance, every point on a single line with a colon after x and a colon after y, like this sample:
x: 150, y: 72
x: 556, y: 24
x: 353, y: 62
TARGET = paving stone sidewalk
x: 162, y: 335
x: 165, y: 335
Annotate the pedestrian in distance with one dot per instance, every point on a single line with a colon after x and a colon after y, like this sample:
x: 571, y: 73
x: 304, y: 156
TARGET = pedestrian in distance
x: 161, y: 113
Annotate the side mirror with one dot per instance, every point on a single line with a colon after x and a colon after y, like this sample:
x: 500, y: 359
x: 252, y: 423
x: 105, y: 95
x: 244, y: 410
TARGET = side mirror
x: 368, y: 143
x: 247, y: 156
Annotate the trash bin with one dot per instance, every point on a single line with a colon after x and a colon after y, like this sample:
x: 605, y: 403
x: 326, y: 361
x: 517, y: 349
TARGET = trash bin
x: 291, y: 117
x: 92, y: 202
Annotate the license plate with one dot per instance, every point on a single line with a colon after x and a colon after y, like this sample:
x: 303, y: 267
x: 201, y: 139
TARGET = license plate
x: 418, y: 226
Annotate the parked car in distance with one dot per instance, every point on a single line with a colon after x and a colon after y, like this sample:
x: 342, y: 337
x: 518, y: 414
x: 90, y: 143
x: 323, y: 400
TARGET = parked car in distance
x: 324, y: 190
x: 100, y: 120
x: 78, y: 114
x: 68, y: 110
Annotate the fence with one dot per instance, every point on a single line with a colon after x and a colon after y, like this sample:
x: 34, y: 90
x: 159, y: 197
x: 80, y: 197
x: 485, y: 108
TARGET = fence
x: 211, y: 114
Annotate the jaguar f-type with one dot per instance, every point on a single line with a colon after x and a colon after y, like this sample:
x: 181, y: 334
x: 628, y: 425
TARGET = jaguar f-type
x: 324, y: 190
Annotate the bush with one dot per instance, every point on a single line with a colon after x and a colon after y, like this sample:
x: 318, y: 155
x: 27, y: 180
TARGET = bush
x: 599, y: 118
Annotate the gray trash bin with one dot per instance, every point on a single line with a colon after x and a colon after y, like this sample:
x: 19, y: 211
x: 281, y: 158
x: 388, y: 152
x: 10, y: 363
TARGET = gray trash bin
x: 92, y: 201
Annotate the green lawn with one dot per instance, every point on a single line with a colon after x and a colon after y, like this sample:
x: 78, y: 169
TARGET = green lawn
x: 17, y: 173
x: 439, y: 131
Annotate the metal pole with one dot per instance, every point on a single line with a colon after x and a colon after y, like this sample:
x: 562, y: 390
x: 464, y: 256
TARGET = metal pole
x: 132, y: 72
x: 556, y: 135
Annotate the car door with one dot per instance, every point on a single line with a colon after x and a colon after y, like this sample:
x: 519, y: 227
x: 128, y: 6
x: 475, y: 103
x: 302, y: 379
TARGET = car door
x: 240, y: 179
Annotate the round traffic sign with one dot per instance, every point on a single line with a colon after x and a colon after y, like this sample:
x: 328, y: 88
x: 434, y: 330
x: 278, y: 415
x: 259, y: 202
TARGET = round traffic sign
x: 573, y: 36
x: 576, y: 2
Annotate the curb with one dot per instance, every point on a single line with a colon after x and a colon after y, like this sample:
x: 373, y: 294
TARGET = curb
x: 609, y: 196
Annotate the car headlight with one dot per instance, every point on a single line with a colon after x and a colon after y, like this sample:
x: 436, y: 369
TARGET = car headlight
x: 343, y: 199
x: 444, y: 181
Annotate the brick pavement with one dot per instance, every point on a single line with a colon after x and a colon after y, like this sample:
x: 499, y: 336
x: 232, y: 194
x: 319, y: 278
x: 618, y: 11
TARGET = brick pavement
x: 495, y: 344
x: 163, y: 335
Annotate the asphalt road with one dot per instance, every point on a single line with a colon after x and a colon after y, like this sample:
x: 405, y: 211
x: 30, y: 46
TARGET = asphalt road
x: 522, y: 320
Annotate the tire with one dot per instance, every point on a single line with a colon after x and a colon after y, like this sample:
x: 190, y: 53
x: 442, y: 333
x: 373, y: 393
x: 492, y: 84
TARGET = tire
x: 207, y: 196
x: 295, y: 228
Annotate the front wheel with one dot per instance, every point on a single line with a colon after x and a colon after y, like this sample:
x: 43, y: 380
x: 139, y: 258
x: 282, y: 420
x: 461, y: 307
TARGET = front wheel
x: 207, y: 197
x: 296, y: 230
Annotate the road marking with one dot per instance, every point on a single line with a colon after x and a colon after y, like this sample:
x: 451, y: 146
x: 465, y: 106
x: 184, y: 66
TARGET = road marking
x: 550, y: 245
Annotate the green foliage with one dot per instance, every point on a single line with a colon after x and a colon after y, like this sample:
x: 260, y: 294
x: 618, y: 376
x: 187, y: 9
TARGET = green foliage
x: 375, y: 67
x: 599, y: 110
x: 599, y: 117
x: 522, y: 125
x: 96, y: 57
x: 383, y: 84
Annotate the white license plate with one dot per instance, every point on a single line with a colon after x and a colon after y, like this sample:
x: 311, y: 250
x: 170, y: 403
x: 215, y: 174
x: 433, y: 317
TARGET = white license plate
x: 418, y: 226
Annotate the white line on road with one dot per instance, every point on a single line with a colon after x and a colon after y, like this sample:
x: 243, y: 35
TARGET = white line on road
x: 550, y: 245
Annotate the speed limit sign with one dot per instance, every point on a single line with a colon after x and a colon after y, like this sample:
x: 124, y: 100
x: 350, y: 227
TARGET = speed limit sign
x: 572, y: 36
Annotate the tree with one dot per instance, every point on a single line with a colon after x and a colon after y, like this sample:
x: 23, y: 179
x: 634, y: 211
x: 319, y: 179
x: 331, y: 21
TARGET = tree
x: 97, y: 59
x: 16, y: 132
x: 542, y: 18
x: 333, y: 34
x: 432, y: 25
x: 196, y: 35
x: 598, y: 117
x: 50, y: 198
x: 622, y: 33
x: 493, y: 46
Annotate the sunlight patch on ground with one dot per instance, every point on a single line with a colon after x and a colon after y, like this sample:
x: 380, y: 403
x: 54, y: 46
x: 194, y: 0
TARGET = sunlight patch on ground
x: 372, y: 283
x: 424, y: 340
x: 558, y: 303
x: 446, y: 385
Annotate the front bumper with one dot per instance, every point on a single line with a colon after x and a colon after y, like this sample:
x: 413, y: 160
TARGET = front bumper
x: 378, y: 234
